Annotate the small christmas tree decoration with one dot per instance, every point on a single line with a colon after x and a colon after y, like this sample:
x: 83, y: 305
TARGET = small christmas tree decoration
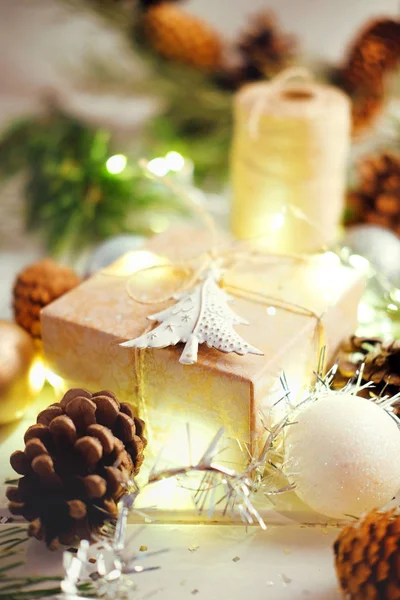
x: 77, y: 460
x: 264, y: 49
x: 201, y: 315
x: 37, y: 286
x: 374, y: 54
x: 376, y: 199
x: 178, y: 36
x: 367, y: 557
x: 381, y: 365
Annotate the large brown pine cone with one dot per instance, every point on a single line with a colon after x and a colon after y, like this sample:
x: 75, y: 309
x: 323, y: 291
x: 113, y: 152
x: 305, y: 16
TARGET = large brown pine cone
x: 367, y: 557
x: 77, y: 461
x: 376, y: 199
x: 179, y: 36
x: 37, y: 286
x: 374, y: 54
x: 381, y: 365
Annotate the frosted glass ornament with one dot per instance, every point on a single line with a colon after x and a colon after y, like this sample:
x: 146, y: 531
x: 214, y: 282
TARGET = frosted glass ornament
x: 342, y: 454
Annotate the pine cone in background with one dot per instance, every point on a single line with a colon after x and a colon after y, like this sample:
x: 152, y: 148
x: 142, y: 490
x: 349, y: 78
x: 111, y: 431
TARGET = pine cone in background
x: 376, y: 200
x: 178, y: 36
x: 381, y: 365
x: 37, y: 286
x: 145, y: 4
x: 76, y: 461
x: 374, y: 54
x: 366, y: 108
x: 264, y: 49
x: 367, y: 557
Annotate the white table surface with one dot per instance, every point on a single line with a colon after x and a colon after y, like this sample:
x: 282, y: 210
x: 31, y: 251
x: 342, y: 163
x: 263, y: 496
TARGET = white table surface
x: 228, y: 562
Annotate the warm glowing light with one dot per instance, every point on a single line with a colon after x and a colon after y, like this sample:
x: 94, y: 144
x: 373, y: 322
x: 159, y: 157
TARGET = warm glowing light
x: 174, y: 161
x: 37, y: 376
x: 56, y: 382
x: 392, y: 307
x: 159, y: 223
x: 158, y: 166
x: 366, y: 313
x: 359, y: 262
x: 277, y: 221
x: 116, y: 164
x: 134, y: 261
x: 271, y: 310
x: 330, y: 259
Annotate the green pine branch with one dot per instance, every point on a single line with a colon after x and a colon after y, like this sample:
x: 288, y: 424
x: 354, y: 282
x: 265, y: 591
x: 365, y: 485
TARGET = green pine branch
x: 29, y: 587
x: 72, y: 199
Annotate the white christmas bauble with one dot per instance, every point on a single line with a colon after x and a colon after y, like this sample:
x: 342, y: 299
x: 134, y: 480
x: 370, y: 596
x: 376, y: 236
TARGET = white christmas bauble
x: 342, y: 453
x: 378, y: 245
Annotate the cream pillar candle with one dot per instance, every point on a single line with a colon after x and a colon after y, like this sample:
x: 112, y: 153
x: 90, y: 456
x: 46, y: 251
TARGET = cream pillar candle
x: 288, y: 164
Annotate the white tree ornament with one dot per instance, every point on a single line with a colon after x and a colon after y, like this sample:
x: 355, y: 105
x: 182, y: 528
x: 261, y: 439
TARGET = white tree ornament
x: 201, y: 315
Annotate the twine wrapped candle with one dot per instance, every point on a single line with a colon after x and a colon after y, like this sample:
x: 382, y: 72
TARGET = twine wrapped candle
x: 289, y: 155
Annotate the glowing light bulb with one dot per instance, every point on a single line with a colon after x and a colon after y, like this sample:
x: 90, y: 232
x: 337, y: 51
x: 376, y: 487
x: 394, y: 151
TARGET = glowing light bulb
x: 134, y: 261
x: 159, y: 223
x: 174, y: 161
x: 56, y: 382
x: 359, y: 262
x: 277, y: 221
x: 396, y: 295
x: 158, y: 166
x: 116, y: 164
x: 330, y: 259
x: 37, y: 376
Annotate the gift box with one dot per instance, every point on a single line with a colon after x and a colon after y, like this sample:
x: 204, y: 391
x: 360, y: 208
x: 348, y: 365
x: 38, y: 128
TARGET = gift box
x: 280, y: 297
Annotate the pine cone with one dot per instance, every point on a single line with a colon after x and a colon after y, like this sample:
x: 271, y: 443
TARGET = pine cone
x: 37, y: 286
x: 366, y: 108
x: 145, y: 4
x: 77, y: 459
x: 179, y: 36
x: 381, y: 365
x: 374, y: 54
x: 264, y: 49
x: 367, y: 557
x: 376, y: 199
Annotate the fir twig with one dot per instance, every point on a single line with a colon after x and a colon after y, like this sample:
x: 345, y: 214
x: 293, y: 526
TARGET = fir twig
x: 13, y: 531
x: 71, y: 195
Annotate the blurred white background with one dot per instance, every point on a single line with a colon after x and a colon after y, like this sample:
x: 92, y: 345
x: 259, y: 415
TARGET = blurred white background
x: 46, y: 44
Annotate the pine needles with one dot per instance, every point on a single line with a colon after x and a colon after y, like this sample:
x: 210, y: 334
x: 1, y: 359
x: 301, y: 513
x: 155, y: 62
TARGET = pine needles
x: 72, y: 198
x: 20, y: 587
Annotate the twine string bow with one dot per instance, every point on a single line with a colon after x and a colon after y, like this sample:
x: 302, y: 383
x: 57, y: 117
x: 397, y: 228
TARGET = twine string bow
x: 237, y: 253
x: 242, y: 253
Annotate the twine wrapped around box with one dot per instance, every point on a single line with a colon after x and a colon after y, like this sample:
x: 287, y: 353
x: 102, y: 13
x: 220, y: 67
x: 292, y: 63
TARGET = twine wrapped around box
x: 231, y: 282
x: 210, y: 321
x: 288, y: 301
